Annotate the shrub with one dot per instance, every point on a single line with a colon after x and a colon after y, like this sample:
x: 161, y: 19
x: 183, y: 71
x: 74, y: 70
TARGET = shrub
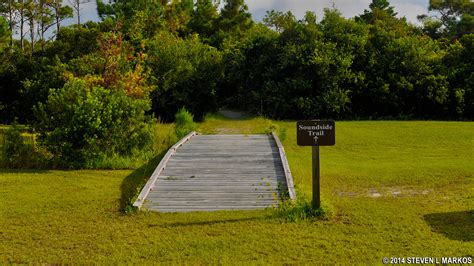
x: 301, y: 210
x: 271, y: 127
x: 14, y: 145
x: 81, y: 126
x: 187, y: 73
x: 19, y: 151
x: 184, y: 123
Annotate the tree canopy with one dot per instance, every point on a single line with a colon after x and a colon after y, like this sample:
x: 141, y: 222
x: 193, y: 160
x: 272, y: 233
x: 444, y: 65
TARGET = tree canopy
x: 206, y: 54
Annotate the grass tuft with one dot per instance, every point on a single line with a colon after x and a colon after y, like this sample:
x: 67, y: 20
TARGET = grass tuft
x: 301, y: 210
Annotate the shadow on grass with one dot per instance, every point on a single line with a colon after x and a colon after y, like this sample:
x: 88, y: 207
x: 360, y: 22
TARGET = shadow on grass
x: 231, y: 115
x: 22, y: 171
x: 454, y: 225
x: 134, y: 182
x: 183, y: 224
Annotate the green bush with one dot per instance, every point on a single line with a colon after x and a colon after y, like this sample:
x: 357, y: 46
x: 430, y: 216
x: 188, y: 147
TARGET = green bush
x: 187, y: 73
x: 82, y: 126
x: 184, y: 123
x: 14, y: 147
x: 302, y: 209
x: 19, y: 151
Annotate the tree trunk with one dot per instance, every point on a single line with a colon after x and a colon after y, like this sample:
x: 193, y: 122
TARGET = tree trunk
x: 10, y: 17
x: 22, y: 25
x: 32, y: 34
x: 56, y: 10
x: 78, y: 13
x: 42, y: 25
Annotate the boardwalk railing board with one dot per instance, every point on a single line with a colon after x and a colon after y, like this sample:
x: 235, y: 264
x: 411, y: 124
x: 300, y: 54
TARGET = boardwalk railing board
x: 161, y: 166
x: 286, y: 168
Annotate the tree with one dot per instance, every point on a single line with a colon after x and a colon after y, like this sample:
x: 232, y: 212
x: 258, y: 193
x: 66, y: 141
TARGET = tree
x: 279, y: 21
x: 113, y: 83
x: 77, y: 6
x: 74, y: 42
x: 20, y: 7
x: 234, y: 20
x: 186, y: 74
x: 401, y: 73
x: 8, y: 11
x: 177, y: 14
x: 377, y: 8
x: 139, y: 18
x: 431, y: 26
x: 32, y: 14
x: 459, y: 68
x: 451, y: 10
x: 204, y: 18
x: 452, y: 19
x: 60, y: 11
x: 5, y: 33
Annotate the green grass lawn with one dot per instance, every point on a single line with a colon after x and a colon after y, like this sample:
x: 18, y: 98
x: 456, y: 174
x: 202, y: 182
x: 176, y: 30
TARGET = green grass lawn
x: 397, y: 189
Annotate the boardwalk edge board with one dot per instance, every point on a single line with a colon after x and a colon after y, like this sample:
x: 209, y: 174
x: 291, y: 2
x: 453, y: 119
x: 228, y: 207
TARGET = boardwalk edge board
x: 286, y: 168
x: 161, y: 166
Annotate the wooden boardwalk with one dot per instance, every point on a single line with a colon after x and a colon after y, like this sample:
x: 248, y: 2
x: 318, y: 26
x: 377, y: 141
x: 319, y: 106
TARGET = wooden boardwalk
x: 219, y: 172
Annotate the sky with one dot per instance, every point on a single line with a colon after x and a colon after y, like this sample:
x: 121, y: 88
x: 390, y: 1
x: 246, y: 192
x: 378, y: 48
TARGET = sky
x: 349, y: 8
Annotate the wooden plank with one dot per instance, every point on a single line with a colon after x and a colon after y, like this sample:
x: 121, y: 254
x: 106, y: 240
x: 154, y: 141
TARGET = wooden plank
x: 211, y: 197
x: 190, y: 172
x: 161, y: 166
x: 252, y: 183
x: 195, y: 170
x: 286, y: 168
x: 177, y: 194
x: 215, y: 202
x: 223, y: 160
x: 227, y: 155
x: 241, y: 151
x: 227, y: 142
x: 230, y: 143
x: 216, y: 188
x: 224, y: 176
x: 207, y: 209
x: 233, y: 144
x: 233, y: 136
x: 250, y: 166
x: 197, y: 167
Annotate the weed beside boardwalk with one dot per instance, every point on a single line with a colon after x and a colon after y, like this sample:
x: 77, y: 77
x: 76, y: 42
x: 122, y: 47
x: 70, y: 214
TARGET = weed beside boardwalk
x: 301, y: 210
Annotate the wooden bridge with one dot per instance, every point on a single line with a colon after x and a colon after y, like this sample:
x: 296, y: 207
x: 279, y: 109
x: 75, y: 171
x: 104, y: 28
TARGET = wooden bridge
x: 219, y: 172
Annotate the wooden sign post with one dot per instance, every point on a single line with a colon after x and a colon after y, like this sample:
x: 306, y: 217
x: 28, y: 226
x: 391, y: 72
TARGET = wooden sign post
x: 316, y: 133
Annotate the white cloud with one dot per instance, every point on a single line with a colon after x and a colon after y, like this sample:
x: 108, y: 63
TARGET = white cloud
x: 411, y: 11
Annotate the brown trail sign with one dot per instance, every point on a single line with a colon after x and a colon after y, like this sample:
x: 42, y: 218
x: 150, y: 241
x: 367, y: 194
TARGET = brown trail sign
x: 316, y: 133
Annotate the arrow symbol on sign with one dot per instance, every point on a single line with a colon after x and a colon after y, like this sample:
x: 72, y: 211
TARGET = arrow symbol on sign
x: 316, y: 139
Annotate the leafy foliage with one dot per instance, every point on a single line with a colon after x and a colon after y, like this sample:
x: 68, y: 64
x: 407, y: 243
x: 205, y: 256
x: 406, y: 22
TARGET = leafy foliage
x: 80, y: 125
x: 4, y: 33
x: 186, y: 73
x: 18, y: 149
x: 184, y: 122
x: 459, y: 68
x: 14, y: 146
